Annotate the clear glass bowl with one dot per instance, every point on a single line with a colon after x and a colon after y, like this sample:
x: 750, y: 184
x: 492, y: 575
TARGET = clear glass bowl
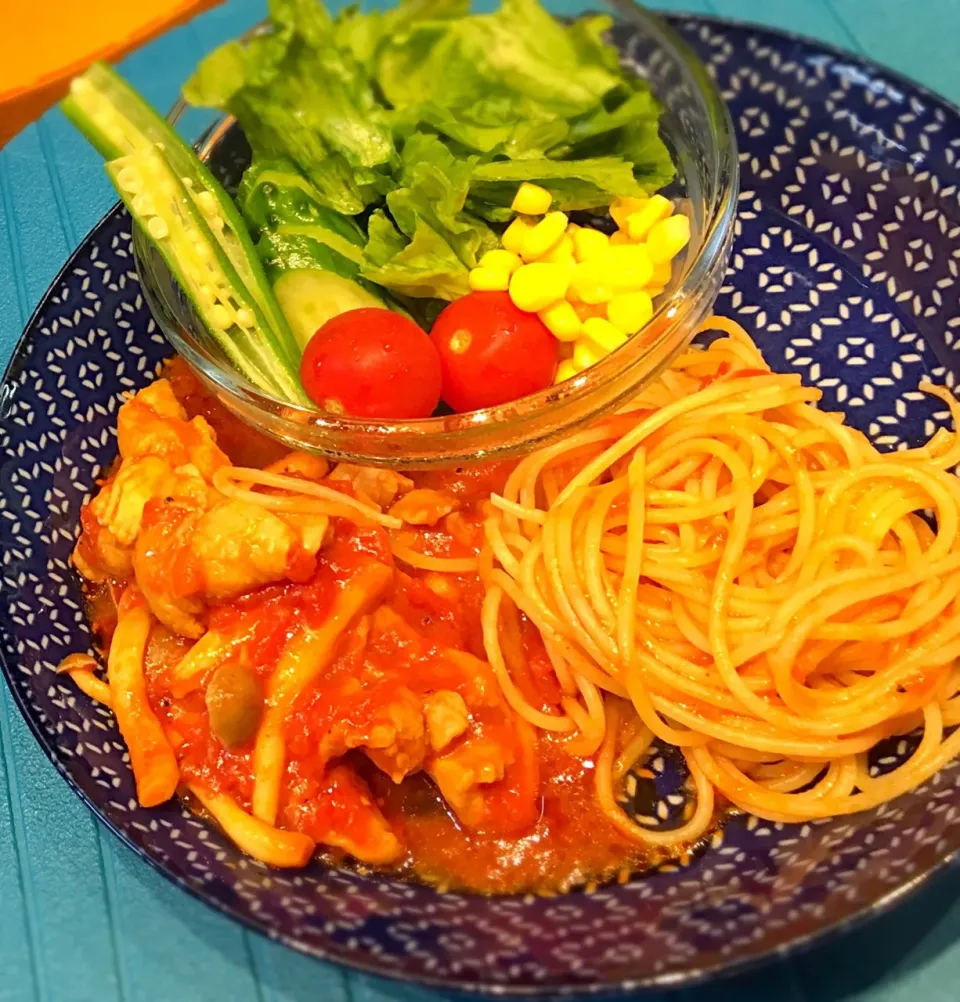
x: 698, y: 130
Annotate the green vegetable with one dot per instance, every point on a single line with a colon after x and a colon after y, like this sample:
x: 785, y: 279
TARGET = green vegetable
x: 516, y: 84
x: 281, y: 252
x: 629, y: 131
x: 311, y: 254
x: 275, y: 197
x: 117, y: 121
x: 520, y: 51
x: 433, y: 188
x: 363, y: 34
x: 185, y: 213
x: 296, y: 93
x: 445, y: 242
x: 574, y: 184
x: 159, y: 204
x: 424, y: 267
x: 311, y: 297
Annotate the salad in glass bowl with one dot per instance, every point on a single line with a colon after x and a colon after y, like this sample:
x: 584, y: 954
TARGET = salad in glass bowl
x: 446, y: 222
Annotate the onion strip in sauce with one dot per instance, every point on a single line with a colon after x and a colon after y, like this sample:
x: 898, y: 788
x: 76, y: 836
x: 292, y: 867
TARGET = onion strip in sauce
x: 151, y: 756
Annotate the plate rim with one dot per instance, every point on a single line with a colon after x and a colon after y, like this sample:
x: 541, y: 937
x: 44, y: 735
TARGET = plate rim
x: 697, y: 976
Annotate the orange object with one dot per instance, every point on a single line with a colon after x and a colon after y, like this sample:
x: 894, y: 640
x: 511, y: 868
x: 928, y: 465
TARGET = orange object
x: 44, y: 44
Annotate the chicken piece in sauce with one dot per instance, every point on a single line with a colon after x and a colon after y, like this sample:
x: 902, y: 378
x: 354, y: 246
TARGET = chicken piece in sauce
x: 186, y: 544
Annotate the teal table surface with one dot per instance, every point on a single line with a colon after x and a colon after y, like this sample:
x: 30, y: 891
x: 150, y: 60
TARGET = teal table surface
x: 83, y: 920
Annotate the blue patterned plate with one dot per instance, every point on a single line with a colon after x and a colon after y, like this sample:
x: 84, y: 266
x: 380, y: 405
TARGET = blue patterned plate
x: 848, y: 246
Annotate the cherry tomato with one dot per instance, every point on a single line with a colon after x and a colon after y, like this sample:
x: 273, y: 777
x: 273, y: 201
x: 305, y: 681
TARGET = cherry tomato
x: 372, y: 363
x: 492, y: 352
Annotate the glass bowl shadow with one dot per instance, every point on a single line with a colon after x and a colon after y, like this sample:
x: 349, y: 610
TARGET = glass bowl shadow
x: 695, y: 126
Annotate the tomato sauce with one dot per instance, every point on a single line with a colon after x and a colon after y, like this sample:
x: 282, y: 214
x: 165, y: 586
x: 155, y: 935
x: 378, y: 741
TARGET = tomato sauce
x: 358, y: 779
x: 571, y: 842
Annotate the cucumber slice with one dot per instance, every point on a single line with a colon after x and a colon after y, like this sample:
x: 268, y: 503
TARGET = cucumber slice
x: 310, y: 297
x: 159, y: 203
x: 118, y: 122
x: 274, y: 195
x: 282, y: 252
x: 338, y: 286
x: 326, y: 237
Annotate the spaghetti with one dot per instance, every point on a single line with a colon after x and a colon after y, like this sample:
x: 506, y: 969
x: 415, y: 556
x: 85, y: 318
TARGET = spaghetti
x: 744, y: 577
x: 299, y: 497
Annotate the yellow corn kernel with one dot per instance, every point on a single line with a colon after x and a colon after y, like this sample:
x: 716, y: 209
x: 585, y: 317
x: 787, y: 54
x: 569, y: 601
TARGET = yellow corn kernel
x: 629, y: 311
x: 668, y: 238
x: 623, y: 207
x: 571, y: 229
x: 589, y: 243
x: 501, y: 260
x: 619, y: 238
x: 562, y: 321
x: 654, y: 290
x: 515, y: 234
x: 640, y: 223
x: 543, y: 236
x: 662, y: 271
x: 603, y: 334
x: 532, y: 200
x: 585, y: 354
x: 562, y: 252
x: 589, y: 281
x: 488, y: 280
x: 565, y: 370
x: 534, y: 287
x: 628, y: 267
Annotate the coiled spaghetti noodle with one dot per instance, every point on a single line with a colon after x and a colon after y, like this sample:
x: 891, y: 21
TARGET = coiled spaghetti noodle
x: 300, y: 497
x: 741, y: 575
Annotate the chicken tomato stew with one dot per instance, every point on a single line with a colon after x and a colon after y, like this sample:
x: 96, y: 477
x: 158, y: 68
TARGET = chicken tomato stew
x: 316, y: 679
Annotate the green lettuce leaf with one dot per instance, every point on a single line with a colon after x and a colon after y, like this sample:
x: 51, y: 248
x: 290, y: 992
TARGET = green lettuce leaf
x: 586, y: 37
x: 630, y: 130
x: 533, y: 139
x: 362, y: 33
x: 597, y: 132
x: 641, y: 144
x: 424, y: 267
x: 226, y: 71
x: 428, y: 210
x: 520, y: 85
x: 501, y: 84
x: 537, y: 55
x: 434, y: 187
x: 503, y: 126
x: 520, y: 50
x: 574, y: 184
x: 341, y: 187
x: 384, y: 240
x: 297, y: 94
